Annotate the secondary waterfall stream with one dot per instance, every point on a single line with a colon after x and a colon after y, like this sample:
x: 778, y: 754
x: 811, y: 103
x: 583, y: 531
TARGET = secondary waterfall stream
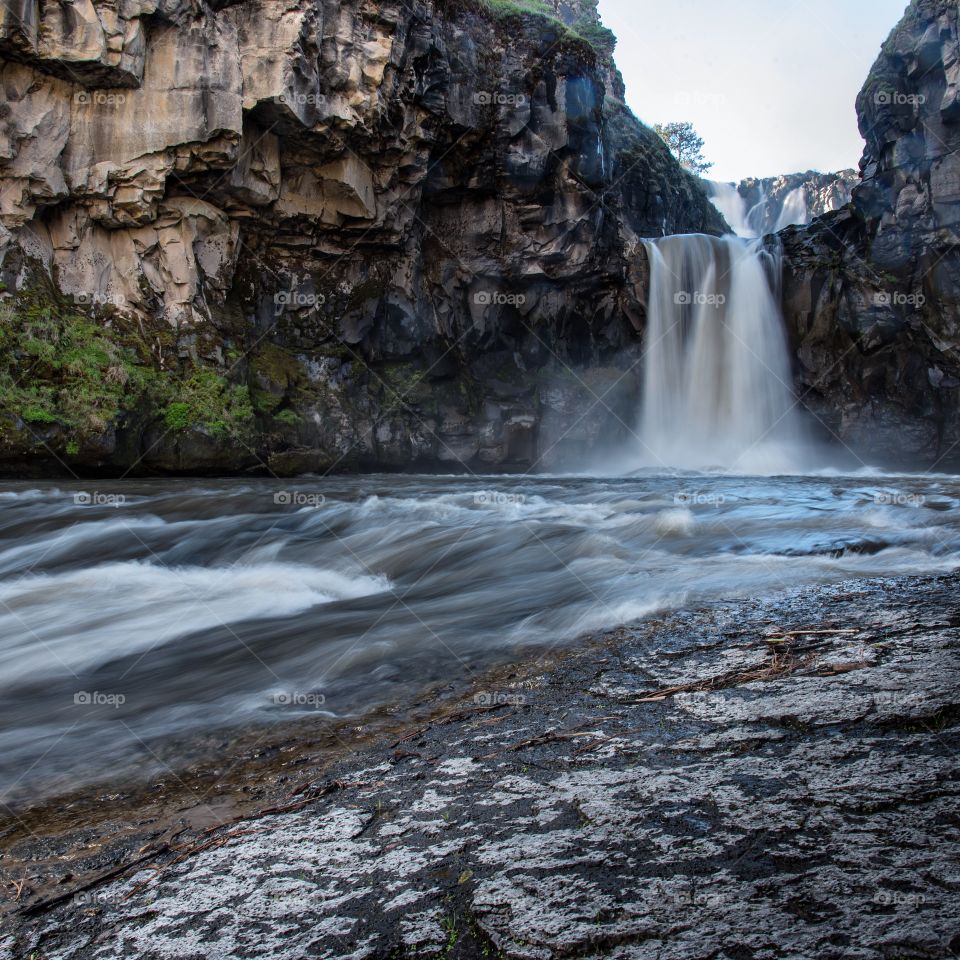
x: 717, y: 379
x: 752, y: 221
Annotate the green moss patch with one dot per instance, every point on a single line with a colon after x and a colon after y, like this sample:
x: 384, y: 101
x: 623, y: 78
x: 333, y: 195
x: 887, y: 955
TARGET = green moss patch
x: 206, y: 401
x: 67, y: 380
x: 586, y: 29
x: 60, y: 368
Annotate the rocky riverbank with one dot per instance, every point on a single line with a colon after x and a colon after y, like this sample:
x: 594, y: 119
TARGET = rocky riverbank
x: 768, y: 779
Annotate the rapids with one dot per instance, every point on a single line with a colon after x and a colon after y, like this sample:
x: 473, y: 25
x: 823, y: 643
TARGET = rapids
x: 146, y: 611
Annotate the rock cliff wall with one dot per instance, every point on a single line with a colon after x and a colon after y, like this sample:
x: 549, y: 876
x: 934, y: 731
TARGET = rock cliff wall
x: 320, y: 234
x: 766, y: 205
x: 809, y: 194
x: 872, y: 292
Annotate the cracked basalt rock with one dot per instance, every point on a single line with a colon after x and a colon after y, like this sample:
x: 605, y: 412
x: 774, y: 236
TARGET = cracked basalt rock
x: 811, y: 813
x: 432, y: 209
x: 872, y: 292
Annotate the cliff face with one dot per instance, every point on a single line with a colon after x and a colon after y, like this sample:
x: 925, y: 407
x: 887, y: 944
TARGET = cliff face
x: 872, y: 292
x: 802, y: 195
x: 755, y: 207
x: 320, y: 233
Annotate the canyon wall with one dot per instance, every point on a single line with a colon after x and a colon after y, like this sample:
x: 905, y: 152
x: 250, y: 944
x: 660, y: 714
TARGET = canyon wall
x: 320, y: 235
x: 757, y: 206
x: 872, y: 292
x: 811, y: 194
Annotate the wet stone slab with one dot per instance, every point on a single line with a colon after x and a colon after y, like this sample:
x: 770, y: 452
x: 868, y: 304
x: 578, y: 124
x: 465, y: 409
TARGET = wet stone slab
x: 795, y: 798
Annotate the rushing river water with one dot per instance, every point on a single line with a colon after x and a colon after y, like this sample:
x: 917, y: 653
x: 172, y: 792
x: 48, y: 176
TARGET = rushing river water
x: 149, y: 610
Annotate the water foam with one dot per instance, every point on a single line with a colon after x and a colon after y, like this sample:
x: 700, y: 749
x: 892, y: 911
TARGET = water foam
x: 83, y: 617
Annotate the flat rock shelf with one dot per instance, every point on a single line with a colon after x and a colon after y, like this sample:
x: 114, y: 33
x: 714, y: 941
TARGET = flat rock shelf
x: 757, y: 779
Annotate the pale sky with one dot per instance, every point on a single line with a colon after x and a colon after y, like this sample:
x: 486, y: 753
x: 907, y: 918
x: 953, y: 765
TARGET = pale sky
x: 770, y: 85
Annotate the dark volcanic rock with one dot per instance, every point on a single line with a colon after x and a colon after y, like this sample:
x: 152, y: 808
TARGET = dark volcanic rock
x: 711, y: 786
x: 425, y: 213
x: 821, y: 193
x: 872, y: 293
x: 772, y: 203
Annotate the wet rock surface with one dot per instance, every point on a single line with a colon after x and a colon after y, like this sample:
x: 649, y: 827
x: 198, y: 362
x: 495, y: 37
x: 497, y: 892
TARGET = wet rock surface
x: 767, y: 779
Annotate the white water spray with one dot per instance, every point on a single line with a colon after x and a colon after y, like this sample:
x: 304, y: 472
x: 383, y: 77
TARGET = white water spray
x: 794, y: 210
x: 717, y: 379
x: 762, y: 218
x: 733, y: 206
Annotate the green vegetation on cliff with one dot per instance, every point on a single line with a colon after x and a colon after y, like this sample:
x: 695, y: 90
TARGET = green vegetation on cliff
x: 60, y: 368
x: 205, y: 400
x: 585, y: 28
x: 517, y: 8
x: 66, y: 380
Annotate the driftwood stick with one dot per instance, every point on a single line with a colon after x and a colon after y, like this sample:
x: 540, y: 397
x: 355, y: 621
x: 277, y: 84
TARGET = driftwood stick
x: 42, y: 906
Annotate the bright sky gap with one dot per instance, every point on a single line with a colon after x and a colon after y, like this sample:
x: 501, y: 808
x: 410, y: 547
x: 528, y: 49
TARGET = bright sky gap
x: 769, y: 84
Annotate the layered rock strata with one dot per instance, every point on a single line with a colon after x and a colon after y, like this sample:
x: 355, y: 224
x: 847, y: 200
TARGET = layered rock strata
x: 408, y: 230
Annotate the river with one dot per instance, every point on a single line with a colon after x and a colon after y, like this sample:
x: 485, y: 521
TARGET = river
x: 139, y: 613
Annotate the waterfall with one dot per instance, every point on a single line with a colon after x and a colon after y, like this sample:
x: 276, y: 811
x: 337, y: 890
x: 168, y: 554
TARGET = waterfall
x: 733, y: 206
x: 794, y: 210
x: 745, y: 221
x: 717, y: 381
x: 765, y: 216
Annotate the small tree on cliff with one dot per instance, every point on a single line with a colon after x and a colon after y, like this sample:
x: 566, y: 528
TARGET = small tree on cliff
x: 685, y: 144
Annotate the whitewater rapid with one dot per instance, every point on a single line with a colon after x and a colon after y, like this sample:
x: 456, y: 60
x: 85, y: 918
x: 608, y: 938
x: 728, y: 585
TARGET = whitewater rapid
x: 186, y: 607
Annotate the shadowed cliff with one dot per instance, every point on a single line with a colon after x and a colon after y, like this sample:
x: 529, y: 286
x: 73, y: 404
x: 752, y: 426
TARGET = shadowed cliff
x: 324, y: 235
